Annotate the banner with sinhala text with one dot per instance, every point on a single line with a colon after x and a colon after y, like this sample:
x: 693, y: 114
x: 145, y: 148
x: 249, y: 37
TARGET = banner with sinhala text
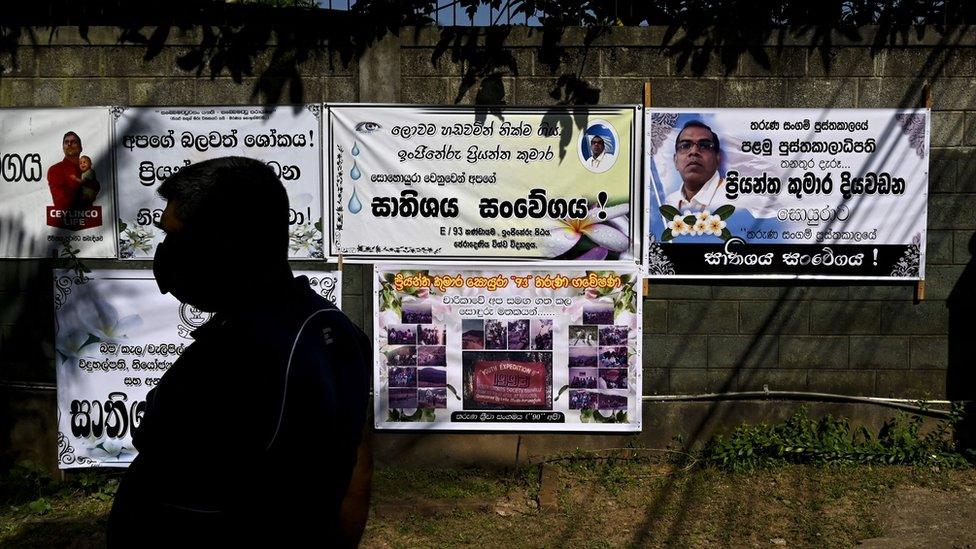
x: 115, y: 337
x: 459, y: 184
x: 503, y: 349
x: 787, y: 193
x: 152, y: 143
x: 56, y: 183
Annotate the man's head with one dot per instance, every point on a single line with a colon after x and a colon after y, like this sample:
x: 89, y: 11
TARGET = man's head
x: 217, y: 209
x: 697, y: 155
x: 84, y: 163
x: 597, y: 146
x: 71, y: 144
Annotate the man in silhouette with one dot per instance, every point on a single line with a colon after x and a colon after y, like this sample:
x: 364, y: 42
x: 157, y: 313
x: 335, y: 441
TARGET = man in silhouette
x: 255, y: 435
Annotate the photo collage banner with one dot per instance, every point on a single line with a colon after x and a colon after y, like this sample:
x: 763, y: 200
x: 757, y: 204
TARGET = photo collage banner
x: 507, y: 349
x: 115, y: 336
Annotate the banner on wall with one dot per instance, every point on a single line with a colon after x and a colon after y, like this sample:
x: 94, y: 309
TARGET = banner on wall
x: 152, y: 143
x: 115, y: 336
x: 459, y: 183
x: 56, y: 183
x: 787, y: 193
x: 526, y: 350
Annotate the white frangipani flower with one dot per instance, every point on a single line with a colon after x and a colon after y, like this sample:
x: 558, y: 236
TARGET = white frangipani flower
x: 714, y: 225
x: 606, y: 233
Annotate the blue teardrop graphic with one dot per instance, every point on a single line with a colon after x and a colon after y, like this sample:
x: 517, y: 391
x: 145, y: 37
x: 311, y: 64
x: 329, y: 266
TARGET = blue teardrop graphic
x: 355, y: 173
x: 355, y: 149
x: 355, y: 206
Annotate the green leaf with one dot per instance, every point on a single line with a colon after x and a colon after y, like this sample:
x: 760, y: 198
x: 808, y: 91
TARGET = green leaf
x: 586, y: 416
x: 726, y: 234
x: 39, y: 506
x: 725, y: 211
x: 666, y: 235
x: 669, y: 211
x: 122, y: 225
x: 318, y: 224
x: 455, y: 393
x: 561, y: 391
x: 690, y: 219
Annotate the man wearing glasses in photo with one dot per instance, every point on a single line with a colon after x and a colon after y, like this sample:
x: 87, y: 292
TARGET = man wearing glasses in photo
x: 697, y: 156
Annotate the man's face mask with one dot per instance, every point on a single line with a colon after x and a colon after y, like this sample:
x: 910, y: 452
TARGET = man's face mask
x: 183, y: 267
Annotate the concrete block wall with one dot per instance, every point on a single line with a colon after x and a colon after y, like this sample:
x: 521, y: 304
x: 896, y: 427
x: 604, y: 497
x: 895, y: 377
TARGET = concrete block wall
x: 854, y: 339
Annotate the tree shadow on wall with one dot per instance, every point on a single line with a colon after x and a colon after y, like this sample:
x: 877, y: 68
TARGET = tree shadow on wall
x: 269, y: 43
x: 961, y: 376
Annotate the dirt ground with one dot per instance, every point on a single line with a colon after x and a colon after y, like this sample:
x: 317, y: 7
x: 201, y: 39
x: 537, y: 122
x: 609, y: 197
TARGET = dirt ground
x: 596, y: 503
x: 648, y: 505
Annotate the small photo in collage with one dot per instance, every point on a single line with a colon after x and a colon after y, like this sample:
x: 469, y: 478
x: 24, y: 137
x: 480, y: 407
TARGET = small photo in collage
x: 612, y: 378
x: 600, y: 312
x: 403, y: 377
x: 496, y: 334
x: 582, y: 357
x: 417, y: 312
x: 613, y: 335
x: 432, y: 377
x: 432, y: 355
x: 582, y: 336
x: 613, y: 357
x: 403, y: 398
x: 401, y: 334
x: 401, y: 355
x: 518, y: 334
x: 433, y: 398
x: 613, y: 400
x: 583, y: 400
x: 432, y: 334
x: 472, y: 333
x: 540, y: 330
x: 583, y: 378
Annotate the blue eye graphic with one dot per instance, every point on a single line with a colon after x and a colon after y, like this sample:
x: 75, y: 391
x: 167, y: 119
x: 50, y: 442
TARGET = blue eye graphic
x: 368, y: 127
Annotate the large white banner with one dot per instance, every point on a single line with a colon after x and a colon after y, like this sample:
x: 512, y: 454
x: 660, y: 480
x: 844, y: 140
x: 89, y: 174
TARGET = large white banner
x: 459, y: 183
x: 152, y: 143
x: 115, y: 336
x: 56, y: 183
x: 507, y: 349
x: 787, y: 193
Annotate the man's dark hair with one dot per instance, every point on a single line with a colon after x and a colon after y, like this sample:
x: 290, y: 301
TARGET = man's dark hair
x: 699, y: 124
x: 235, y: 199
x: 66, y: 134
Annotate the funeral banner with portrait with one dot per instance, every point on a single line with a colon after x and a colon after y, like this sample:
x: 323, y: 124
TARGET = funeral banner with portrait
x: 787, y: 193
x: 56, y: 186
x: 507, y: 349
x: 152, y: 143
x: 115, y: 336
x: 472, y: 184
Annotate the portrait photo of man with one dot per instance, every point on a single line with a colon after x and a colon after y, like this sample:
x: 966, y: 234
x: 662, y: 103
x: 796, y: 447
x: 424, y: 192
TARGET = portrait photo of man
x: 71, y: 186
x: 597, y: 147
x: 697, y: 157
